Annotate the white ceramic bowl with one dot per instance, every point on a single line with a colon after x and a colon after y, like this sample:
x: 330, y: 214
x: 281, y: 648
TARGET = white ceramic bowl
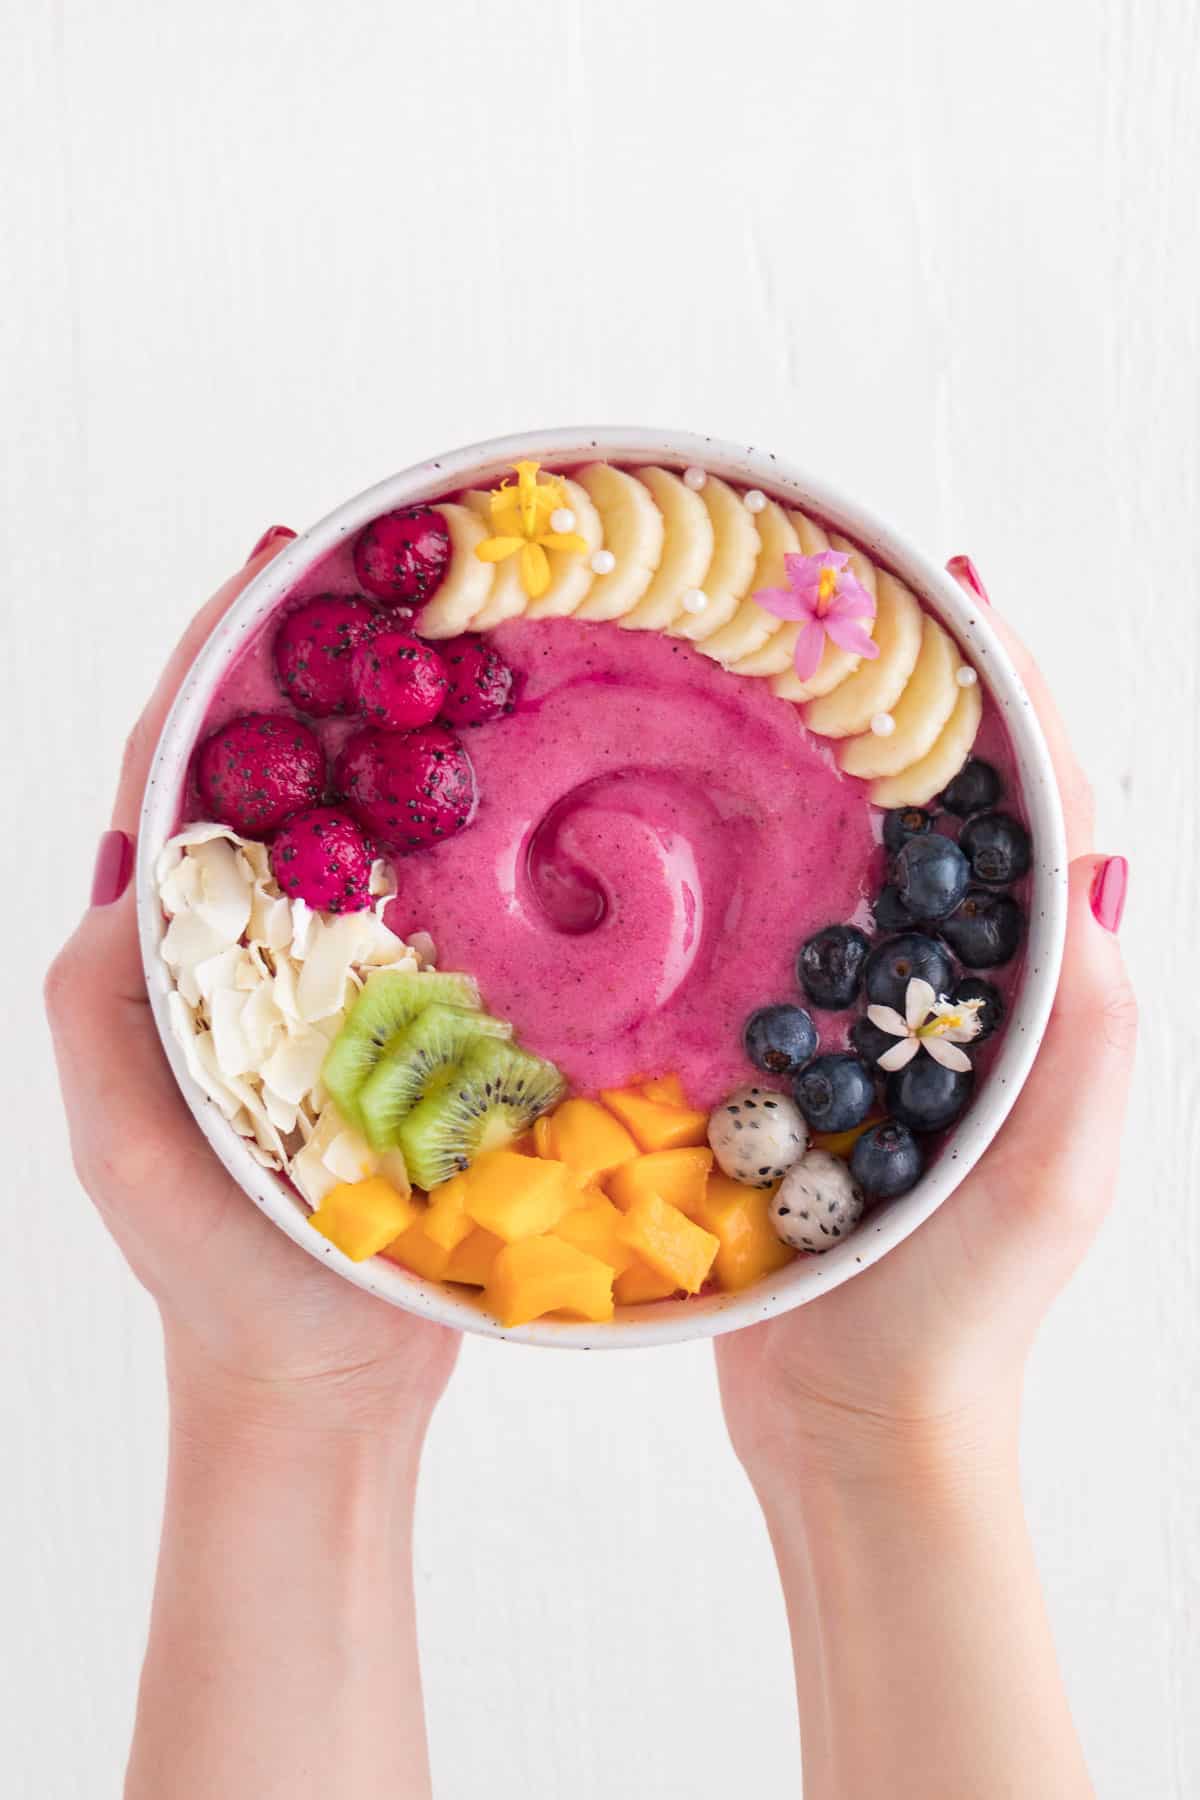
x: 480, y: 465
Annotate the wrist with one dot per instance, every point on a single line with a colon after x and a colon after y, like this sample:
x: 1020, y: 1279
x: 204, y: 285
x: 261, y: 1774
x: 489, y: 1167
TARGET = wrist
x: 933, y: 1458
x: 361, y: 1417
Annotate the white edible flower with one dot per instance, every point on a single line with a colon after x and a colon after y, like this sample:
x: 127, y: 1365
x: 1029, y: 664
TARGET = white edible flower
x: 937, y: 1026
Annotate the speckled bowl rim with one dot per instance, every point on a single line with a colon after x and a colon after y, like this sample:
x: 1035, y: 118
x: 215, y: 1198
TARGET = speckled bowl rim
x: 666, y: 1322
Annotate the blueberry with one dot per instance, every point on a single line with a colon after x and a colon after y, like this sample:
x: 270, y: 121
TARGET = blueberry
x: 835, y: 1093
x: 893, y: 964
x: 780, y: 1039
x: 984, y: 932
x: 973, y: 987
x: 976, y: 787
x: 870, y: 1042
x: 830, y: 965
x: 891, y: 914
x: 931, y: 876
x: 927, y: 1096
x: 902, y: 823
x: 887, y: 1160
x: 997, y: 846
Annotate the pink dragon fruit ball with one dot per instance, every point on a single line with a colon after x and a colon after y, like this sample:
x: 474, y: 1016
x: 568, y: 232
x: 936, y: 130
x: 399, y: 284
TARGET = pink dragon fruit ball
x: 402, y: 557
x: 398, y: 682
x: 481, y: 682
x: 407, y: 790
x: 322, y: 857
x: 256, y: 770
x: 312, y: 652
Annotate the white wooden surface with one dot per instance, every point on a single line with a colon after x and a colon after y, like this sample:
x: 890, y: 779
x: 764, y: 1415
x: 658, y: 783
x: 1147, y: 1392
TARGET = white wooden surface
x: 262, y: 252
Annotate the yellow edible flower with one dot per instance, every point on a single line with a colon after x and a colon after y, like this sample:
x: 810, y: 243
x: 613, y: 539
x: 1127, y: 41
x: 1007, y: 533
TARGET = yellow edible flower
x: 523, y: 523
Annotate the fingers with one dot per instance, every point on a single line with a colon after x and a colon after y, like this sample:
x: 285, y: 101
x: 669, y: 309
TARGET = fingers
x: 101, y: 965
x: 1073, y: 785
x: 139, y: 747
x: 1055, y: 1162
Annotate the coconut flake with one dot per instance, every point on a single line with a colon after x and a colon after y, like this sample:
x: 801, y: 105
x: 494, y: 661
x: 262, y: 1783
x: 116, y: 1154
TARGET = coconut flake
x: 294, y: 1066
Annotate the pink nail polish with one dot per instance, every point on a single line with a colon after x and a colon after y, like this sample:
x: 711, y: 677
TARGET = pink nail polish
x: 114, y: 866
x: 1109, y: 886
x: 967, y: 576
x: 270, y: 536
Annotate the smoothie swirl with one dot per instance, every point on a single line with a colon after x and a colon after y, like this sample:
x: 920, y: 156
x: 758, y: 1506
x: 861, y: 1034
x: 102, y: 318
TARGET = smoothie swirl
x: 655, y: 839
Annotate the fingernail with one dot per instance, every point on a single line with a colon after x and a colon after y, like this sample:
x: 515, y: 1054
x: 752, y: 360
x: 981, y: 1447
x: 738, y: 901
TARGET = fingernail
x: 273, y: 534
x: 114, y: 866
x: 967, y: 575
x: 1109, y: 886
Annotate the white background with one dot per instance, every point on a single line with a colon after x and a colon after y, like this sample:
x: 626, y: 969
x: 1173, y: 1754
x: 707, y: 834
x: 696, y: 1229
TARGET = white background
x: 263, y: 254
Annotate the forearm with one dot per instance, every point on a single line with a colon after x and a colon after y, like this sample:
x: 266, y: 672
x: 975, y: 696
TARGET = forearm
x: 924, y: 1661
x: 282, y: 1658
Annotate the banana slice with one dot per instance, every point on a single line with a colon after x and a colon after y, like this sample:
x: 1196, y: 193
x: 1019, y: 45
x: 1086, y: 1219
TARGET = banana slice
x: 877, y: 685
x: 571, y: 574
x: 751, y: 626
x: 467, y: 584
x: 920, y: 714
x: 917, y: 785
x: 508, y: 598
x: 731, y: 570
x: 687, y: 552
x: 633, y: 531
x: 836, y: 665
x: 775, y: 657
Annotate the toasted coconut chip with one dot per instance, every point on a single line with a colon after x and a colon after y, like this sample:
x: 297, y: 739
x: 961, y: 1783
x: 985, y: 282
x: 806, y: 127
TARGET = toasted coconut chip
x: 294, y: 1066
x: 423, y: 948
x: 261, y: 985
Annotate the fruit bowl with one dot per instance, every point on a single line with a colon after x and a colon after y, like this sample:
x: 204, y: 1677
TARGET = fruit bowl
x: 760, y: 481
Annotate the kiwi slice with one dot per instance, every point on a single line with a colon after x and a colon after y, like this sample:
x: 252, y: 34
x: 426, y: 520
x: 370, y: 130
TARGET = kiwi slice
x: 388, y: 1004
x: 417, y: 1062
x: 493, y: 1096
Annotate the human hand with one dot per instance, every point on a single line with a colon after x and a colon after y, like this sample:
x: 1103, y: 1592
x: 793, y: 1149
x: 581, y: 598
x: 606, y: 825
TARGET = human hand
x: 251, y: 1322
x: 928, y: 1345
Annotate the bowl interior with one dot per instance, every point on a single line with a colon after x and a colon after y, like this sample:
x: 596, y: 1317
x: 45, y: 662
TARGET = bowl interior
x: 803, y: 1280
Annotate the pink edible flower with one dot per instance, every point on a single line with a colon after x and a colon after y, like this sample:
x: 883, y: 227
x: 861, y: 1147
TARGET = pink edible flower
x: 824, y: 593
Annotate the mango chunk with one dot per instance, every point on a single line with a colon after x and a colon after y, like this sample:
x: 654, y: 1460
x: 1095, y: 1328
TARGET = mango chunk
x: 518, y: 1196
x: 841, y: 1143
x: 596, y: 1229
x: 739, y: 1218
x: 677, y: 1176
x: 665, y: 1087
x: 471, y: 1261
x: 446, y: 1221
x: 362, y: 1217
x: 656, y: 1124
x: 663, y: 1237
x: 640, y: 1284
x: 414, y: 1249
x: 585, y: 1136
x: 543, y: 1275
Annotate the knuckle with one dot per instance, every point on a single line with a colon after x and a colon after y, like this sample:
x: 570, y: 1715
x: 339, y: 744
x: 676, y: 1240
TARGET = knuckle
x: 57, y: 985
x: 1120, y: 1017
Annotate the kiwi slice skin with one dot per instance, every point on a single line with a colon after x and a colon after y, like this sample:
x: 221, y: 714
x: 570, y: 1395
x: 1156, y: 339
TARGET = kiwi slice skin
x: 419, y: 1061
x: 495, y: 1094
x: 388, y: 1004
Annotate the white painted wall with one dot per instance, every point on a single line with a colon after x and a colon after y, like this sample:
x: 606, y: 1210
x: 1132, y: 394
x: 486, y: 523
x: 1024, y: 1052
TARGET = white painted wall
x: 265, y: 251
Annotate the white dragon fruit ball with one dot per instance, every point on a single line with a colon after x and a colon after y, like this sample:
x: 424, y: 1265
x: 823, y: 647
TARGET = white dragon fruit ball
x: 757, y: 1135
x: 818, y: 1204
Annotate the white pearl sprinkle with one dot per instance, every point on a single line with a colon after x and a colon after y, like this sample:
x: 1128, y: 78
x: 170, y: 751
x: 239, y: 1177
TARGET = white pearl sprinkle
x: 883, y: 725
x: 966, y: 677
x: 562, y: 519
x: 754, y: 500
x: 603, y: 562
x: 695, y: 478
x: 695, y: 600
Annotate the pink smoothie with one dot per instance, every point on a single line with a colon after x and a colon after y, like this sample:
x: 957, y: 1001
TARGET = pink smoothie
x: 655, y: 839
